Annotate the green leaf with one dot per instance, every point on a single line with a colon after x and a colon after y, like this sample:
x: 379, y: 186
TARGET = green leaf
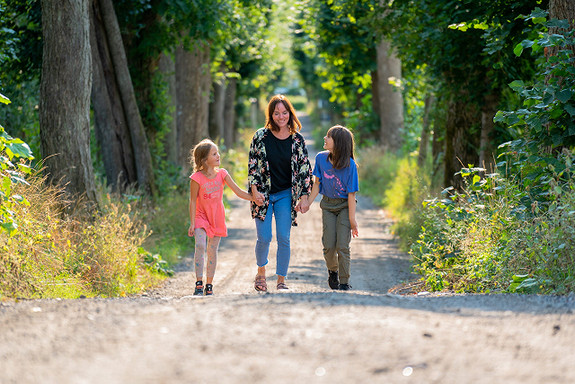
x: 564, y: 95
x: 562, y: 24
x: 500, y: 117
x: 4, y: 99
x: 570, y: 109
x: 518, y: 50
x: 20, y: 149
x: 519, y: 278
x: 530, y: 285
x: 10, y: 227
x: 527, y: 43
x: 539, y: 20
x: 517, y: 85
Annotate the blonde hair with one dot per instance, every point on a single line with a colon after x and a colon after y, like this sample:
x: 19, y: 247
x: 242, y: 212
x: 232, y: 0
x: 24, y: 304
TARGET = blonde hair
x: 200, y: 153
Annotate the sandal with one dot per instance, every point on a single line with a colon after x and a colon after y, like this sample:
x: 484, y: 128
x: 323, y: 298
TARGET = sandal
x: 199, y: 291
x: 260, y: 284
x: 282, y: 286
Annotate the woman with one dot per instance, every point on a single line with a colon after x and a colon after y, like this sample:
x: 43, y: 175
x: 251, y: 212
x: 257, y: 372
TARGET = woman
x: 279, y: 174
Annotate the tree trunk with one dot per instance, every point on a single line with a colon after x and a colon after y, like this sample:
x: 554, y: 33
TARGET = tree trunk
x: 111, y: 126
x: 561, y: 10
x: 217, y: 108
x: 141, y: 149
x: 65, y: 96
x: 461, y: 141
x: 375, y: 91
x: 486, y: 147
x: 390, y: 100
x: 425, y: 131
x: 193, y: 81
x: 230, y: 112
x: 168, y: 69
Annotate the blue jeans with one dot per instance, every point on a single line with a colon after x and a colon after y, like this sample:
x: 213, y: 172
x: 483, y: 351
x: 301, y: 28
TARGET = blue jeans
x: 280, y: 207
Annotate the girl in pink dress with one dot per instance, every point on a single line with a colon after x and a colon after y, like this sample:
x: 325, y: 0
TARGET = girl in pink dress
x: 207, y: 212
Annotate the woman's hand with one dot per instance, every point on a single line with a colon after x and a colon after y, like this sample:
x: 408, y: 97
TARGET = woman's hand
x: 257, y: 197
x: 303, y: 205
x: 191, y: 231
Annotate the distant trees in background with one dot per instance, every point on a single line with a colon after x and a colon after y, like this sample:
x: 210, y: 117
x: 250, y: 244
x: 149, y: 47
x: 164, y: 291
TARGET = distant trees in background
x: 161, y: 75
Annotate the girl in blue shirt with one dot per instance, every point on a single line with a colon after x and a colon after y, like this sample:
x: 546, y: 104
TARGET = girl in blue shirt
x: 335, y: 177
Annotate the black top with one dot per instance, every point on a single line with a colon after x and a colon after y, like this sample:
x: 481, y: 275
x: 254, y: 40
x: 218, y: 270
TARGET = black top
x: 278, y: 153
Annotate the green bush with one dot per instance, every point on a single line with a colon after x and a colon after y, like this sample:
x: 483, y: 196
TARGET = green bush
x: 487, y: 240
x: 63, y: 252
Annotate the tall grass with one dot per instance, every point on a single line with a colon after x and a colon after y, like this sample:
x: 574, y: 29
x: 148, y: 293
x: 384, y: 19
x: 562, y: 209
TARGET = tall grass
x: 398, y: 185
x: 68, y: 252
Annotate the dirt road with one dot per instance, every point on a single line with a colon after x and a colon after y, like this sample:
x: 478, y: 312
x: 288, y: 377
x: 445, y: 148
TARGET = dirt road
x: 309, y: 334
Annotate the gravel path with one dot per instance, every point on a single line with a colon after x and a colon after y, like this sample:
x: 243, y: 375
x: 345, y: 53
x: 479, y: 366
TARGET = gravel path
x: 309, y: 334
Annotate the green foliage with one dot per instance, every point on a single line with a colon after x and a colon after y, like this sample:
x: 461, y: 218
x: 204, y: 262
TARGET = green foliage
x: 156, y: 263
x: 13, y: 167
x: 363, y: 122
x: 335, y: 46
x: 168, y: 224
x: 547, y: 116
x: 377, y: 170
x: 399, y: 186
x: 512, y: 231
x: 465, y: 44
x: 486, y: 240
x: 63, y: 252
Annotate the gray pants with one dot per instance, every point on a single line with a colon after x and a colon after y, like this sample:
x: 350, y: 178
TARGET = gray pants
x: 336, y: 236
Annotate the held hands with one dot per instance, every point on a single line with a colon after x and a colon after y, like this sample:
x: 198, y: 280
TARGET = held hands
x: 258, y: 198
x: 303, y: 205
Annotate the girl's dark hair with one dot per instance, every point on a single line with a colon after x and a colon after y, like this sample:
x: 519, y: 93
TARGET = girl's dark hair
x: 343, y: 145
x: 293, y: 123
x: 200, y: 153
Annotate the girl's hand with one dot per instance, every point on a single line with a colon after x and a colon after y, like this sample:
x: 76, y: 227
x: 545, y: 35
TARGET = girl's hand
x: 354, y: 228
x: 191, y: 231
x: 258, y: 198
x: 303, y: 205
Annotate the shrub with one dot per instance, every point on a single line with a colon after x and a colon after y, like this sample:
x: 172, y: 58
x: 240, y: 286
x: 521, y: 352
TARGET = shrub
x: 63, y: 252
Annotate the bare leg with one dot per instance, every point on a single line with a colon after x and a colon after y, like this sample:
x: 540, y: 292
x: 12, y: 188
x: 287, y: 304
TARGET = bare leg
x: 200, y: 252
x: 213, y: 244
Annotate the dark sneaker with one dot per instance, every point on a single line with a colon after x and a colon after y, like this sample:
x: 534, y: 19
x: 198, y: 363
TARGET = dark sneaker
x: 344, y: 287
x: 333, y: 280
x: 199, y: 291
x: 209, y: 290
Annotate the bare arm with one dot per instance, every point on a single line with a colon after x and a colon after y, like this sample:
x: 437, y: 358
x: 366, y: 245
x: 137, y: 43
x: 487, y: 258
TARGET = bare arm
x: 257, y: 196
x: 194, y: 189
x: 314, y: 190
x: 304, y: 205
x: 352, y: 204
x: 237, y: 190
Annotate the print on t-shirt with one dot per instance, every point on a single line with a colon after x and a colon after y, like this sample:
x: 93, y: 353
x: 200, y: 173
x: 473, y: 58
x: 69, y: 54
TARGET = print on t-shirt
x: 334, y: 182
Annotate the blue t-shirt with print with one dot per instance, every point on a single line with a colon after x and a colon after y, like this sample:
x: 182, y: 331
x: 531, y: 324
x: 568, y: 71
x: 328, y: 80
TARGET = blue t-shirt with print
x: 335, y: 183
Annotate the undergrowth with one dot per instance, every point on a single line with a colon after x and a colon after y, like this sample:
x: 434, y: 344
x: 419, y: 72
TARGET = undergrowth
x: 399, y: 186
x: 69, y: 251
x: 488, y: 240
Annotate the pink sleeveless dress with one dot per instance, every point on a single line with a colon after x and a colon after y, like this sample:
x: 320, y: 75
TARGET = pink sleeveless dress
x: 210, y: 211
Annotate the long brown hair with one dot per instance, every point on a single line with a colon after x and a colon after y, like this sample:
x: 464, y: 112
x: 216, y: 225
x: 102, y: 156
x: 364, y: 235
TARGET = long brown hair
x: 294, y: 124
x: 200, y: 154
x: 343, y: 145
